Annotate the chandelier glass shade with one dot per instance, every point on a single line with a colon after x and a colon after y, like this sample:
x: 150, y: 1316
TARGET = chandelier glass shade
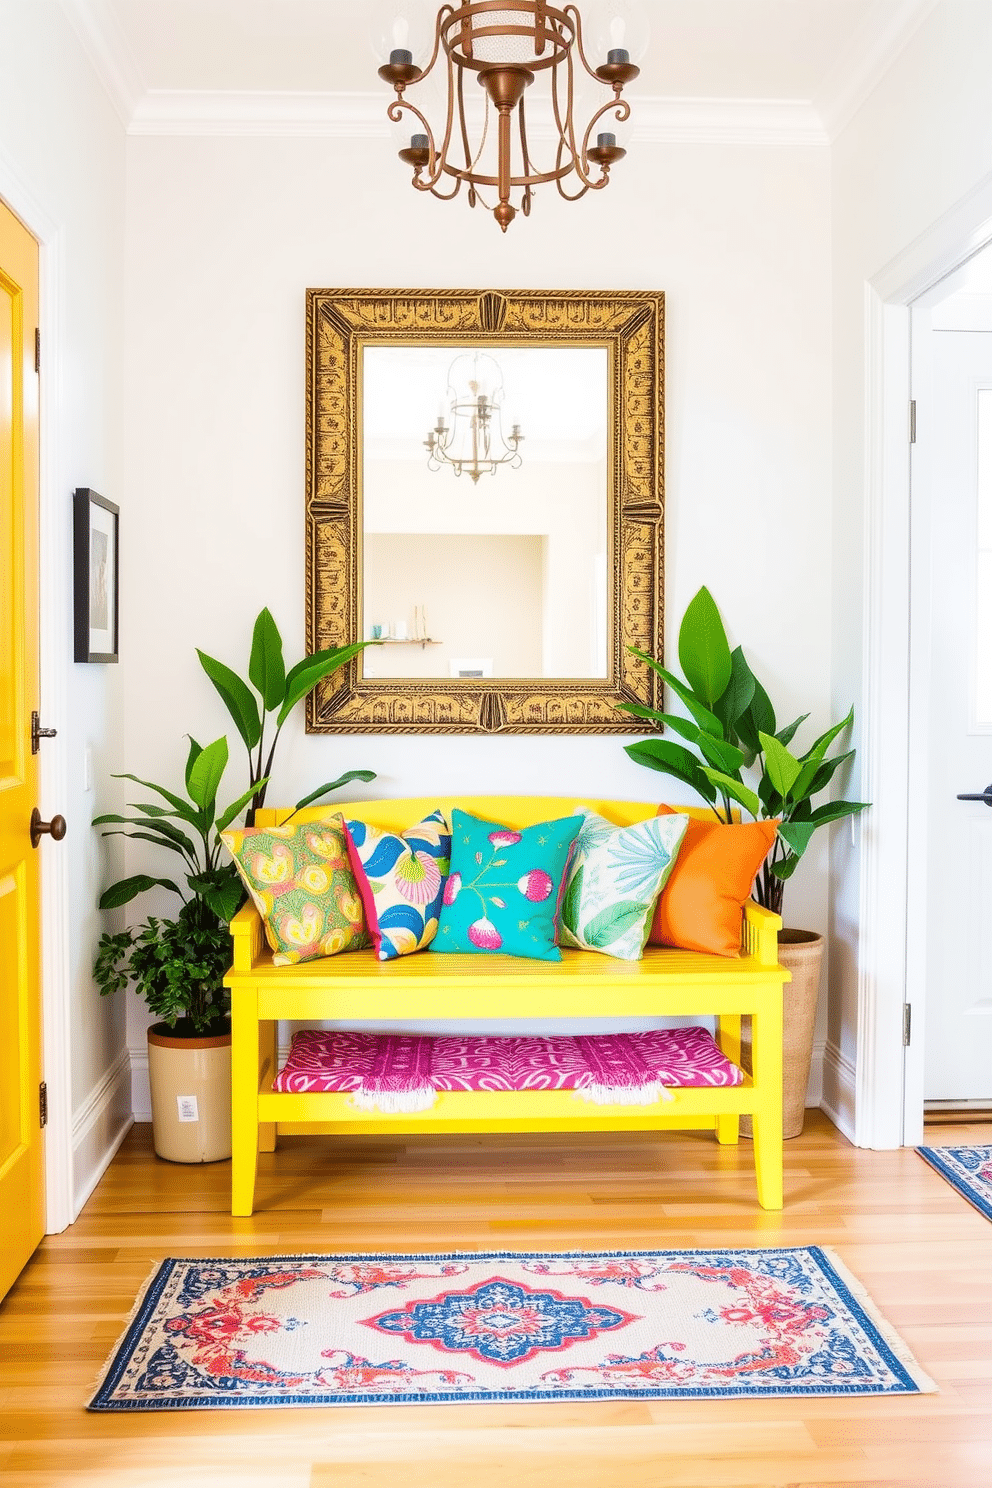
x: 507, y: 46
x: 473, y: 442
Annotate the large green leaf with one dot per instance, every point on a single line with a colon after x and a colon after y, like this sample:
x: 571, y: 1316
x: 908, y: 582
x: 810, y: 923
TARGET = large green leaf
x: 825, y: 772
x: 797, y: 835
x: 833, y: 811
x: 736, y: 699
x: 266, y: 668
x: 785, y: 867
x: 704, y: 652
x: 236, y: 807
x: 735, y: 790
x: 164, y: 831
x: 720, y: 755
x: 782, y: 767
x: 195, y: 750
x: 613, y: 922
x: 823, y: 743
x: 222, y: 891
x: 672, y: 759
x: 333, y: 785
x: 127, y: 889
x: 207, y: 773
x: 305, y: 675
x: 786, y: 735
x: 707, y: 721
x: 183, y: 809
x: 237, y: 696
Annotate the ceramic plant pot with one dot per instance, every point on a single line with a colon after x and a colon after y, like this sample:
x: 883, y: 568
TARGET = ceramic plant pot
x: 190, y: 1082
x: 801, y: 952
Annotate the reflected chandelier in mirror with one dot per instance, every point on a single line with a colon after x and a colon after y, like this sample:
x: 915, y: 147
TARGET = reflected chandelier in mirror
x: 507, y: 602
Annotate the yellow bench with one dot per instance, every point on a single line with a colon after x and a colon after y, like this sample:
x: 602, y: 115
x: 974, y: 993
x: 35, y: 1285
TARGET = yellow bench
x: 583, y: 984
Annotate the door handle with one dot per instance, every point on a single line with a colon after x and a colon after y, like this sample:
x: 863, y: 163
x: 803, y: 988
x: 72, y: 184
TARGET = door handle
x: 985, y: 796
x: 54, y: 828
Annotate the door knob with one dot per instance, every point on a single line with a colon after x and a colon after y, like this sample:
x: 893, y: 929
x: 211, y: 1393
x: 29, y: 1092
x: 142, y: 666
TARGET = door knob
x: 55, y: 827
x: 985, y: 796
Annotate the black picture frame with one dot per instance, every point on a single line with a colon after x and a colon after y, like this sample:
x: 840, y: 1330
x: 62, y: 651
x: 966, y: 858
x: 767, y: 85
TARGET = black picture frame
x: 96, y: 576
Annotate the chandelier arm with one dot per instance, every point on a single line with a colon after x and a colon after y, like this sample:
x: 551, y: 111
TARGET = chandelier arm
x: 622, y: 111
x: 572, y: 11
x: 527, y: 197
x: 438, y: 30
x: 565, y: 171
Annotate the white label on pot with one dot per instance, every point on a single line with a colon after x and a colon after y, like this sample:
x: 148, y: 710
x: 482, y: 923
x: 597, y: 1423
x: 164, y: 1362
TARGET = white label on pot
x: 187, y: 1108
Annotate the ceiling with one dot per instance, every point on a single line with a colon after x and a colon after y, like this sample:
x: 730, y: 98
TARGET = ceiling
x: 157, y: 56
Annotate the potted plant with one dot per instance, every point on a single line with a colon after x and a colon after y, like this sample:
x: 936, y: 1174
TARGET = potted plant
x: 178, y: 963
x: 743, y: 758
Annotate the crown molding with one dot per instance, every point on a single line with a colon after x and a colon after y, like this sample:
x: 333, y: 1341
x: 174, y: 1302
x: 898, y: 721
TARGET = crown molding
x: 871, y: 51
x: 715, y: 121
x: 106, y: 46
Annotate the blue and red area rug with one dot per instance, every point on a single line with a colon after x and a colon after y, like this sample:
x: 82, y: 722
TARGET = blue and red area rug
x: 968, y: 1169
x: 364, y: 1329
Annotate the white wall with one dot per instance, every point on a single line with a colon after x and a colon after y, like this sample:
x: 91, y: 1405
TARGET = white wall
x: 62, y: 168
x: 225, y: 234
x: 921, y: 143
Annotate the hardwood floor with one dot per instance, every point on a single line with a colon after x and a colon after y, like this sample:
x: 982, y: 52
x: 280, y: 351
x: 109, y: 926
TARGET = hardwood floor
x: 922, y: 1252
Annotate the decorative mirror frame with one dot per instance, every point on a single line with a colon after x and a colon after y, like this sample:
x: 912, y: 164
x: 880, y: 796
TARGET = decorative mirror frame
x: 340, y: 324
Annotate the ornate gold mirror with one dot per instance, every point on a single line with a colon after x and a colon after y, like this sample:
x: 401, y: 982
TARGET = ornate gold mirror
x: 485, y: 496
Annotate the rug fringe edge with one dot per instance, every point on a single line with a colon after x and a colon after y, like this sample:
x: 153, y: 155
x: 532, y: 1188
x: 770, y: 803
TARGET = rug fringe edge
x: 893, y: 1340
x: 125, y: 1330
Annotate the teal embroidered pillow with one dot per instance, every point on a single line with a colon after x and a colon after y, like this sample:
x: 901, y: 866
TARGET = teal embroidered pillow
x: 400, y: 878
x: 504, y: 889
x: 614, y: 881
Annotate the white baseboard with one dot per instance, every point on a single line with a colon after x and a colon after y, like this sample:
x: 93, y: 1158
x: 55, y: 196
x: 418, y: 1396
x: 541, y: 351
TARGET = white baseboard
x: 814, y: 1090
x: 141, y: 1094
x: 839, y: 1089
x: 98, y: 1129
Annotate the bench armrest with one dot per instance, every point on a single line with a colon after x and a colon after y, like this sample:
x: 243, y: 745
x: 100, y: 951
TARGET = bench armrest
x: 248, y: 937
x: 760, y: 937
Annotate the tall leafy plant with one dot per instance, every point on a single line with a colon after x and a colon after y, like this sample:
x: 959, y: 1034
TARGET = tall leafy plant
x: 261, y: 705
x: 742, y: 757
x: 178, y: 964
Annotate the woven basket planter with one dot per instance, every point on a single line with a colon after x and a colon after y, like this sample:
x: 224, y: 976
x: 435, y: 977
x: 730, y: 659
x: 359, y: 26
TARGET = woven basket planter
x: 801, y: 951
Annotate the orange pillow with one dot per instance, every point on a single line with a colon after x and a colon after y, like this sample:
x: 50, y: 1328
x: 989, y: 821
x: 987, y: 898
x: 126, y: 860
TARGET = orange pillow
x: 701, y: 905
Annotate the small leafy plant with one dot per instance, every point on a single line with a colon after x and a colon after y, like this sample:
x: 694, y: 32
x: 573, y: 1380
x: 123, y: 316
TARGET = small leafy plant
x: 743, y: 757
x: 178, y: 964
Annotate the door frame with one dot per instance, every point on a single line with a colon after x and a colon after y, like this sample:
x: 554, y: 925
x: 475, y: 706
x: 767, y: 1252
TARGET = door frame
x: 889, y: 1076
x: 54, y: 627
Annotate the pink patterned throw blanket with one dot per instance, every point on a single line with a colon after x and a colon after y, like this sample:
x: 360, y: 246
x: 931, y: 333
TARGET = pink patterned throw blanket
x: 400, y: 1073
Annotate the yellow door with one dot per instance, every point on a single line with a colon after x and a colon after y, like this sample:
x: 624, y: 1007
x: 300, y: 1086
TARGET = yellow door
x: 21, y: 1154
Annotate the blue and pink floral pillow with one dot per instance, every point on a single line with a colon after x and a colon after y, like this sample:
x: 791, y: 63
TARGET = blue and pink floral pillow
x: 401, y: 879
x: 504, y: 890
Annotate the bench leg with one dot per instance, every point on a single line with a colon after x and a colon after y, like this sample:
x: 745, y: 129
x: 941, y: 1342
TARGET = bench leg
x: 766, y: 1036
x: 266, y: 1071
x: 728, y: 1037
x: 244, y: 1099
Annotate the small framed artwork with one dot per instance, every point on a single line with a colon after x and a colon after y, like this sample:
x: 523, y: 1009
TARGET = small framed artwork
x: 95, y: 576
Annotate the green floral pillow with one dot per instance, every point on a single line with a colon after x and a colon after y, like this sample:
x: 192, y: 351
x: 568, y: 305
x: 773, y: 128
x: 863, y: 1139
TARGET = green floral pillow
x: 505, y: 886
x: 301, y: 883
x: 614, y: 881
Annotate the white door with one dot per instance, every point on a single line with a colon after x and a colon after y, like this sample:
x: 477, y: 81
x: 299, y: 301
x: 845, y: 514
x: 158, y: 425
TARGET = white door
x: 952, y: 616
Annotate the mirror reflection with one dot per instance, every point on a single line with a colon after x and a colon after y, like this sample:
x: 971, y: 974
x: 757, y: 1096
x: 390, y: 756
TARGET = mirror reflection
x: 485, y: 511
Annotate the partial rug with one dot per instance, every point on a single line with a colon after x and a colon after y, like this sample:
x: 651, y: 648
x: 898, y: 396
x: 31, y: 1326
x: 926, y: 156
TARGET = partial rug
x: 968, y: 1169
x: 424, y: 1329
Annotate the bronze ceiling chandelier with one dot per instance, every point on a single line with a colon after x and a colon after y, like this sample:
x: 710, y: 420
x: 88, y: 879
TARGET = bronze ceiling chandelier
x: 507, y: 45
